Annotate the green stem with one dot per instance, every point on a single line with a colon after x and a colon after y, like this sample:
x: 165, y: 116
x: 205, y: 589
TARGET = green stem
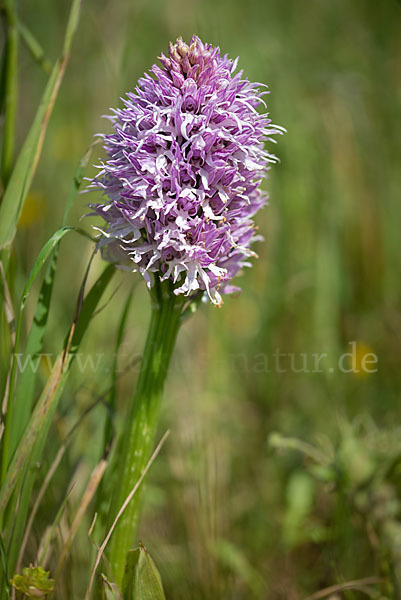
x: 141, y: 427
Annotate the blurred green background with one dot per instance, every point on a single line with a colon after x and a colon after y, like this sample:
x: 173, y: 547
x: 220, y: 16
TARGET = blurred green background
x: 228, y: 514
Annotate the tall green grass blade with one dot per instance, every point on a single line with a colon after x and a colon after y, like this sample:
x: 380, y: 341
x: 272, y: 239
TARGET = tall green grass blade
x: 31, y: 446
x: 22, y: 175
x: 36, y: 424
x: 26, y: 383
x: 46, y: 482
x: 44, y: 255
x: 8, y: 403
x: 7, y: 588
x: 89, y: 306
x: 8, y: 305
x: 10, y: 89
x: 3, y: 69
x: 53, y: 386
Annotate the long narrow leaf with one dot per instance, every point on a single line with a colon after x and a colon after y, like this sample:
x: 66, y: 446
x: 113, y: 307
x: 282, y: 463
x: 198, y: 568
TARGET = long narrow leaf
x: 44, y: 255
x: 10, y: 89
x: 22, y: 175
x: 49, y: 475
x: 26, y: 383
x: 4, y: 569
x: 8, y: 406
x: 28, y: 440
x: 44, y: 411
x: 27, y: 377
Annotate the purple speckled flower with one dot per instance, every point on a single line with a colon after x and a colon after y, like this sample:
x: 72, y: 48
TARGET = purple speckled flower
x: 181, y: 182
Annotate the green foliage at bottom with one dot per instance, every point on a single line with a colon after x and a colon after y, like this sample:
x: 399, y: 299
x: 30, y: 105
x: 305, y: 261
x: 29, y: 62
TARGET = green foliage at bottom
x: 34, y: 582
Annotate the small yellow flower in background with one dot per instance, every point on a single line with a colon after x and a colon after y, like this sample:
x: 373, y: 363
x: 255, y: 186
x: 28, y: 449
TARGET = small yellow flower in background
x: 362, y: 360
x: 33, y: 211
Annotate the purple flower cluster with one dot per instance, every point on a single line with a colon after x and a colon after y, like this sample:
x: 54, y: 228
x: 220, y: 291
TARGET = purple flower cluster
x: 181, y: 181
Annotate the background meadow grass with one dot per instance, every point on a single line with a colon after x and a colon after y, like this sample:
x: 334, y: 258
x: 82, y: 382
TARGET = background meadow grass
x: 233, y: 511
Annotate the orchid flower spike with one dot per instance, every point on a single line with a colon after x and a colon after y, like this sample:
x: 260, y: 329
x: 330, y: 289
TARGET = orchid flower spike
x: 181, y: 182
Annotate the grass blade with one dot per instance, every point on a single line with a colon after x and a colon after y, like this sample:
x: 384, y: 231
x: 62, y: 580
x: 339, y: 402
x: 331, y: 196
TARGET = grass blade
x: 4, y: 567
x: 49, y: 475
x: 26, y: 383
x: 25, y: 447
x: 10, y: 89
x: 8, y: 407
x: 22, y: 175
x: 32, y: 443
x: 44, y: 255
